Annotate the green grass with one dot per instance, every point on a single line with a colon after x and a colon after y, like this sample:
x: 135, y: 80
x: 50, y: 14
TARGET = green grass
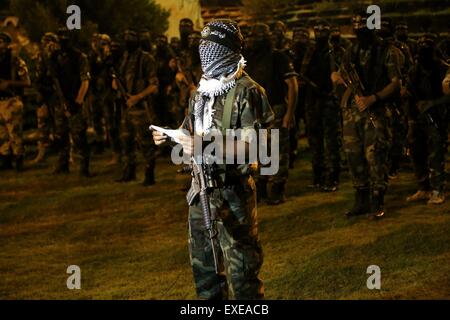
x: 130, y: 241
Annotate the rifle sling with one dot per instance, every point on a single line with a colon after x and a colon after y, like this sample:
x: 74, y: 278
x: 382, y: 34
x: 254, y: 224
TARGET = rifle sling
x: 227, y: 110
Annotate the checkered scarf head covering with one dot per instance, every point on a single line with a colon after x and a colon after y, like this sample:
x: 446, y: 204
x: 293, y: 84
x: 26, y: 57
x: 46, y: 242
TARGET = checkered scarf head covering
x: 220, y: 48
x: 222, y: 63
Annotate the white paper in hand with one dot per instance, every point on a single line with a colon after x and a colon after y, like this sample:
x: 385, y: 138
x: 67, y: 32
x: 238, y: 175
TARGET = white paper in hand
x: 173, y: 134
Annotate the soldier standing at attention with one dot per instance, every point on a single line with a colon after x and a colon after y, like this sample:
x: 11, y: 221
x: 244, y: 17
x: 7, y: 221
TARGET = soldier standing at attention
x: 427, y: 120
x: 366, y: 119
x: 322, y: 111
x: 69, y: 69
x: 274, y: 71
x: 45, y: 113
x: 13, y: 78
x: 233, y: 202
x: 138, y: 72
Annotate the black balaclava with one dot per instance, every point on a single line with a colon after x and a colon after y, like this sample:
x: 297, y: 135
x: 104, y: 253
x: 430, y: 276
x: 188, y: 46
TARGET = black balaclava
x: 49, y: 44
x: 426, y: 49
x: 131, y: 40
x: 175, y: 44
x: 401, y: 32
x: 278, y: 33
x: 261, y: 41
x: 322, y: 33
x: 364, y: 35
x: 145, y: 40
x: 386, y: 32
x: 64, y: 39
x: 300, y: 38
x: 335, y: 35
x: 194, y: 42
x: 161, y: 45
x: 186, y: 28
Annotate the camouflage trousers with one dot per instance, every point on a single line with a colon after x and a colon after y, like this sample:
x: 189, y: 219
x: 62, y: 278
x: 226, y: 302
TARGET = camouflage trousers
x: 11, y: 127
x: 398, y: 126
x: 323, y: 118
x: 428, y: 148
x: 135, y: 132
x: 237, y: 244
x: 97, y: 101
x: 106, y: 115
x: 278, y: 180
x: 367, y: 144
x: 66, y: 127
x: 45, y: 122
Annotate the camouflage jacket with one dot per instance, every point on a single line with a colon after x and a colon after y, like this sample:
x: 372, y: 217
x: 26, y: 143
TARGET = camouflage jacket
x: 250, y: 110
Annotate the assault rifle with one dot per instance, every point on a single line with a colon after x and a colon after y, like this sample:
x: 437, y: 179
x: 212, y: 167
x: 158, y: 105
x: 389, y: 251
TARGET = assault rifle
x: 426, y: 106
x: 123, y: 93
x: 354, y: 86
x: 203, y: 182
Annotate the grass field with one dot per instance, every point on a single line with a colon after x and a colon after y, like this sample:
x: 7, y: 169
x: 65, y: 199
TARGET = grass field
x: 130, y: 241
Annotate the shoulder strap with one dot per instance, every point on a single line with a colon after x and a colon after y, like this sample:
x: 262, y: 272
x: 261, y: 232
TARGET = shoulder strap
x: 228, y: 108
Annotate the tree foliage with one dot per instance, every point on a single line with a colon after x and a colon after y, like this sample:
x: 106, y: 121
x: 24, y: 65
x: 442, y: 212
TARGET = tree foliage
x: 105, y: 16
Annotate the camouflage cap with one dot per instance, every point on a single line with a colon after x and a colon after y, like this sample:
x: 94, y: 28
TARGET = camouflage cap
x: 49, y: 37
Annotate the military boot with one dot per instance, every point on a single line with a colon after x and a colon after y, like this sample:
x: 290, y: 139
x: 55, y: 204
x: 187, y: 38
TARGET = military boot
x: 377, y: 211
x: 362, y: 203
x: 128, y: 173
x: 149, y: 174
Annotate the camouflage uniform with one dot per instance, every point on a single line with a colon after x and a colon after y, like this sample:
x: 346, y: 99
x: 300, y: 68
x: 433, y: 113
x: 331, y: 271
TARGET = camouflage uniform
x: 234, y: 205
x: 367, y: 135
x: 70, y: 67
x: 323, y: 116
x: 11, y: 108
x: 428, y: 130
x: 138, y: 70
x: 270, y: 68
x: 44, y: 83
x: 102, y: 96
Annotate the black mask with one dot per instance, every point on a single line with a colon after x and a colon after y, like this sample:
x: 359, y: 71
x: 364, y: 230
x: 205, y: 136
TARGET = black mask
x: 402, y: 37
x: 184, y: 37
x: 322, y: 39
x: 425, y: 54
x: 131, y: 45
x: 298, y: 46
x: 259, y: 44
x: 365, y: 37
x: 335, y: 38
